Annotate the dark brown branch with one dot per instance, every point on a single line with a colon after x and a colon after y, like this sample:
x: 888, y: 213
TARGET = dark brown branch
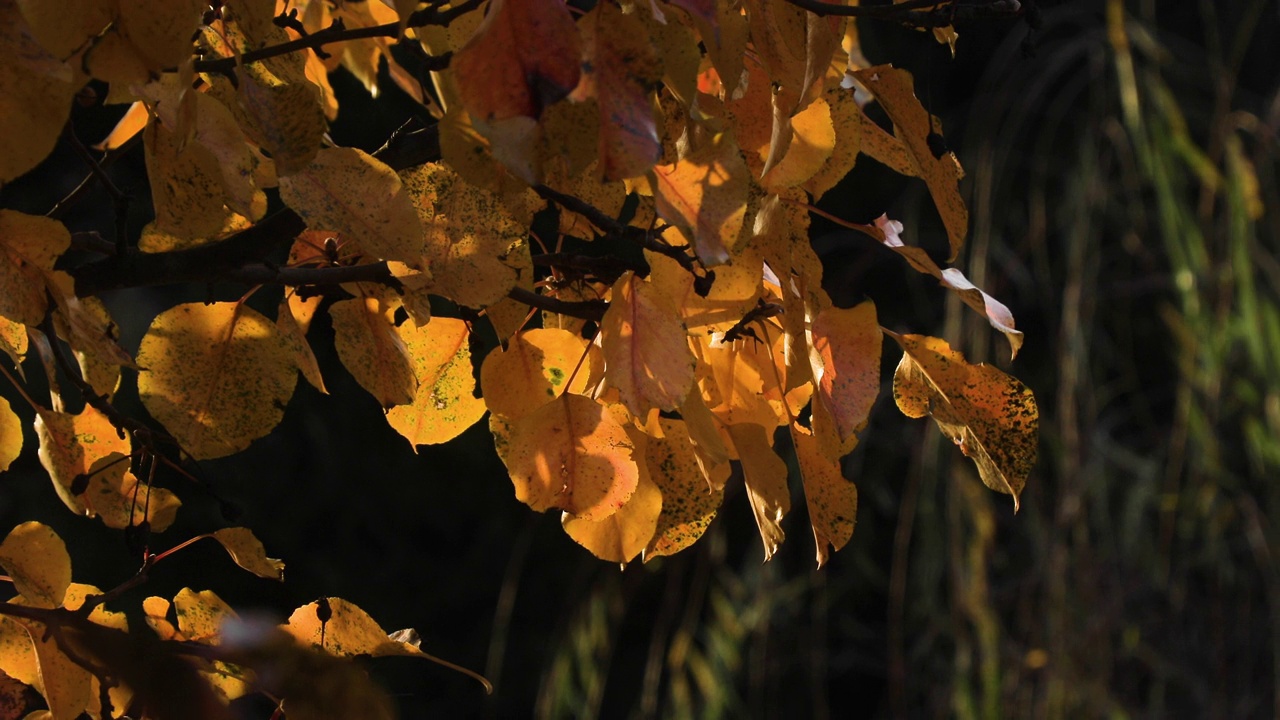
x: 118, y: 198
x: 763, y: 310
x: 108, y: 158
x: 336, y: 33
x: 583, y: 309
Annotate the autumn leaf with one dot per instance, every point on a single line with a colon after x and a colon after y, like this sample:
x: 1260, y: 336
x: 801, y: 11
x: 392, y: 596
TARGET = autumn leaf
x: 688, y: 504
x: 535, y: 368
x: 70, y: 445
x: 37, y: 560
x: 29, y: 245
x: 846, y: 121
x: 846, y: 365
x: 444, y: 404
x: 736, y: 288
x: 348, y: 191
x: 621, y: 69
x: 371, y: 348
x: 186, y: 188
x: 894, y: 90
x: 646, y: 355
x: 247, y: 552
x: 13, y: 341
x: 200, y: 617
x: 622, y: 536
x: 832, y: 500
x: 10, y: 435
x: 765, y: 475
x: 812, y: 141
x: 115, y: 495
x: 705, y: 195
x: 294, y: 333
x: 36, y: 88
x: 992, y: 417
x: 573, y: 455
x: 216, y: 376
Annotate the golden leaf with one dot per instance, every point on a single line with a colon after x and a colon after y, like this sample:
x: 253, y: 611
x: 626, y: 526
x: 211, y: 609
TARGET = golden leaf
x: 292, y: 331
x: 36, y: 89
x: 688, y: 504
x: 832, y: 500
x: 846, y: 365
x: 846, y: 120
x: 37, y: 560
x: 116, y: 496
x: 622, y: 536
x: 992, y: 417
x: 247, y: 552
x: 10, y: 435
x: 765, y: 475
x: 216, y: 376
x: 445, y: 403
x: 572, y: 454
x: 372, y: 349
x: 29, y: 245
x: 705, y: 195
x: 736, y: 288
x: 646, y: 355
x: 72, y: 444
x: 535, y: 369
x: 813, y: 139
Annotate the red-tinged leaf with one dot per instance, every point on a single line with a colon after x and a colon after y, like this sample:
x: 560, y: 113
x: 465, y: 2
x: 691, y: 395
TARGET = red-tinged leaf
x: 525, y: 56
x: 765, y: 475
x: 10, y: 435
x: 832, y: 500
x: 445, y: 403
x: 705, y: 195
x: 535, y: 368
x: 997, y: 313
x: 370, y: 346
x: 216, y: 376
x: 247, y: 552
x: 37, y: 560
x: 36, y: 88
x: 992, y: 417
x: 29, y: 245
x: 71, y: 444
x: 622, y: 68
x: 350, y: 192
x: 895, y: 91
x: 846, y: 352
x: 622, y: 536
x: 573, y: 455
x: 646, y: 353
x: 688, y: 504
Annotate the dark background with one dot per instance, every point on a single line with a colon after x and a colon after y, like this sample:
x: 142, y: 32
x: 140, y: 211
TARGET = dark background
x: 1139, y: 579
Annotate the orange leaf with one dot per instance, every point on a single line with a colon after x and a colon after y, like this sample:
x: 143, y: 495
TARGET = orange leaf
x: 572, y: 454
x: 705, y: 195
x: 846, y: 347
x: 832, y: 500
x: 765, y: 475
x: 445, y: 403
x: 992, y: 417
x: 535, y: 369
x: 71, y: 444
x: 895, y: 91
x: 646, y: 353
x: 846, y: 120
x: 734, y: 292
x: 525, y: 56
x: 688, y: 505
x: 623, y: 535
x: 813, y: 139
x: 622, y: 68
x: 370, y: 346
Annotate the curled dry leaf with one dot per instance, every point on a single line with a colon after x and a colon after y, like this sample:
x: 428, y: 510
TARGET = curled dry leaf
x: 37, y: 560
x: 371, y: 348
x: 646, y: 355
x: 572, y: 454
x: 992, y: 417
x: 444, y: 404
x: 216, y: 376
x: 765, y: 476
x: 247, y: 552
x: 832, y: 500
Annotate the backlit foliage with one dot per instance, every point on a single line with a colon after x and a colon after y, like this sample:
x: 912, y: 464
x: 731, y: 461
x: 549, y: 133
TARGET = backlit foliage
x: 641, y: 173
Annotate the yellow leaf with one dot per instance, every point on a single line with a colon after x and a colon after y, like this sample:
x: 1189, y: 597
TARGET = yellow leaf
x: 36, y: 88
x: 216, y: 376
x: 705, y: 195
x: 89, y: 330
x: 247, y: 552
x: 291, y: 330
x: 735, y: 290
x: 646, y: 355
x: 64, y: 27
x: 13, y: 341
x: 895, y: 91
x: 846, y: 120
x: 525, y: 56
x: 65, y: 685
x: 620, y: 537
x: 347, y: 632
x: 832, y: 500
x: 37, y: 560
x: 186, y: 186
x: 688, y: 504
x: 71, y: 444
x: 812, y: 142
x: 348, y: 191
x: 29, y: 245
x: 115, y: 495
x: 708, y: 444
x: 200, y: 615
x: 535, y: 369
x: 992, y: 417
x: 161, y: 32
x: 765, y: 475
x: 885, y: 148
x: 283, y: 118
x: 742, y: 376
x: 10, y: 435
x: 846, y: 365
x: 372, y: 349
x: 572, y: 454
x: 475, y: 250
x: 445, y: 403
x: 115, y: 60
x: 18, y: 653
x: 621, y: 68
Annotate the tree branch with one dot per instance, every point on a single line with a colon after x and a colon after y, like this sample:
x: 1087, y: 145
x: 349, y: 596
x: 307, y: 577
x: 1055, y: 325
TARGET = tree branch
x: 583, y: 309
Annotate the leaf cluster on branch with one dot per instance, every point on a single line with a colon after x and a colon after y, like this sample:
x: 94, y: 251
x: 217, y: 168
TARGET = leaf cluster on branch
x: 622, y: 192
